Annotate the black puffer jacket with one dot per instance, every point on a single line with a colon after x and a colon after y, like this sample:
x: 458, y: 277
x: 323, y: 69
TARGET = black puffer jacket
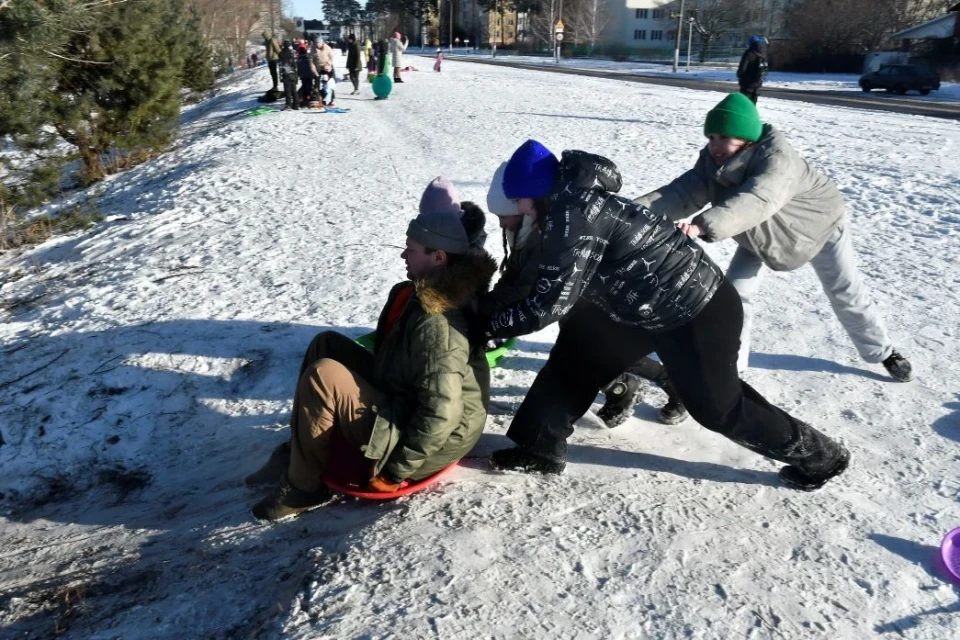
x: 353, y: 56
x: 618, y: 255
x: 288, y: 64
x: 753, y: 66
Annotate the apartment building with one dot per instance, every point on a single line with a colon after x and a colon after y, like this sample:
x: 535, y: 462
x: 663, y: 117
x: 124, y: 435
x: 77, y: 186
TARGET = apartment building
x: 643, y: 24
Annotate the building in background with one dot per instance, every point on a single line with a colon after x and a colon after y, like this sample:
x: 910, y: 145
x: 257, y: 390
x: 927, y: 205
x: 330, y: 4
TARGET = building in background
x: 309, y: 29
x: 642, y: 24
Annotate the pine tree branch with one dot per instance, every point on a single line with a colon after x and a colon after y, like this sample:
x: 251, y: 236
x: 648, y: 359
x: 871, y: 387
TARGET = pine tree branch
x: 57, y: 55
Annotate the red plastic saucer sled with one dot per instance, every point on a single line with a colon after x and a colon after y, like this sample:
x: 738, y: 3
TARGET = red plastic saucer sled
x: 349, y: 473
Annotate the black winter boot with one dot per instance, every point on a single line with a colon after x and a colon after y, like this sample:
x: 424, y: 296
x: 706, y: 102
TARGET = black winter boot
x: 272, y: 472
x: 622, y: 396
x: 898, y: 367
x: 673, y: 412
x: 287, y: 500
x: 520, y: 459
x: 794, y: 478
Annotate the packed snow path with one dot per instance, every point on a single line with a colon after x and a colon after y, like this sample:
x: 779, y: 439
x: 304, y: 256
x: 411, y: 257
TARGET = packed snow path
x: 148, y: 365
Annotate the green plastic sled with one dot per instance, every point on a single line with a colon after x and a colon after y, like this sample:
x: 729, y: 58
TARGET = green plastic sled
x: 494, y: 356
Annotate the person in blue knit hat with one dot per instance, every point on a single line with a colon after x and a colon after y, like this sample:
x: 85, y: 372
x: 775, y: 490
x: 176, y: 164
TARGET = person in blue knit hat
x: 518, y: 274
x: 531, y: 171
x: 627, y: 283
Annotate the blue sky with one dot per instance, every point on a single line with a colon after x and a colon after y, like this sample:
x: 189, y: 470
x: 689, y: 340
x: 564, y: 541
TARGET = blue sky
x: 308, y: 9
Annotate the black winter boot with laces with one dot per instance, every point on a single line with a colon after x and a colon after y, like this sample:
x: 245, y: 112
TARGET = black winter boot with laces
x: 522, y: 459
x: 621, y: 397
x: 286, y: 500
x: 898, y: 367
x: 811, y: 480
x: 673, y: 412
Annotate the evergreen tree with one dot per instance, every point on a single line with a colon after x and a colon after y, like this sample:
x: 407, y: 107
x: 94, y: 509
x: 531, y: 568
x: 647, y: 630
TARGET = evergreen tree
x: 105, y: 77
x: 33, y: 40
x: 197, y: 71
x: 119, y: 92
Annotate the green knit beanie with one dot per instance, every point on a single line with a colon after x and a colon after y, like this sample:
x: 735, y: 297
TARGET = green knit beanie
x: 735, y: 117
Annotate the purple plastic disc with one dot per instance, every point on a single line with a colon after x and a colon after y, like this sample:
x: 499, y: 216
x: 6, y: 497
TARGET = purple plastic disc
x: 950, y: 554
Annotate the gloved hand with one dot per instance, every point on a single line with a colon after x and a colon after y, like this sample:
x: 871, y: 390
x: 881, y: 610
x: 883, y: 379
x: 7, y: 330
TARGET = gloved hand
x: 383, y: 485
x: 478, y: 323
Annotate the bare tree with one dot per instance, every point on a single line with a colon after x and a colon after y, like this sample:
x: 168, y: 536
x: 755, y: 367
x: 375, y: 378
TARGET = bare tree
x: 588, y: 19
x: 825, y: 33
x: 229, y: 24
x: 543, y: 20
x: 716, y: 18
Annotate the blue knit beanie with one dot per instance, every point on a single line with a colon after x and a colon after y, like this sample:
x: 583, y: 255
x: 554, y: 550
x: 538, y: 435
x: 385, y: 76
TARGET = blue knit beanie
x: 530, y: 172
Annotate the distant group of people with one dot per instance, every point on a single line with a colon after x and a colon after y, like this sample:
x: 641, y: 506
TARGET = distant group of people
x: 624, y: 278
x: 311, y: 64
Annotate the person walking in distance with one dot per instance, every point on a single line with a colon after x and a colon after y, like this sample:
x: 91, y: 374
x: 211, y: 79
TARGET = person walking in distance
x: 753, y: 67
x: 354, y: 64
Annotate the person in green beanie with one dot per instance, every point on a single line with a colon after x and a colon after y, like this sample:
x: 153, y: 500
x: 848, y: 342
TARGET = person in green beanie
x: 783, y: 213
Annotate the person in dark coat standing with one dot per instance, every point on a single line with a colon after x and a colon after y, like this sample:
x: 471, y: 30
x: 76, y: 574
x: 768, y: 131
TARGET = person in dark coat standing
x: 753, y: 67
x: 627, y: 282
x: 354, y: 65
x: 308, y: 74
x: 288, y: 73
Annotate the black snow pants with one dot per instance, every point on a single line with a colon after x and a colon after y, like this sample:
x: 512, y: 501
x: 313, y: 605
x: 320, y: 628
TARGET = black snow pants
x: 750, y: 91
x: 290, y: 92
x: 273, y: 72
x: 701, y: 359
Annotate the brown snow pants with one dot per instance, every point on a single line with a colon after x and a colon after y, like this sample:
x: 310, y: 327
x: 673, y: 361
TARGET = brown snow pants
x: 333, y: 392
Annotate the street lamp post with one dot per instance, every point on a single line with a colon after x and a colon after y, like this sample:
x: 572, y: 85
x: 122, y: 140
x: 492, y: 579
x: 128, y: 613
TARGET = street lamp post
x: 676, y: 51
x: 690, y: 41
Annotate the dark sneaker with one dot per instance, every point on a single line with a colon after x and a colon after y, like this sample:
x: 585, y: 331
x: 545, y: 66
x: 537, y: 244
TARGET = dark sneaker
x: 673, y: 412
x: 898, y: 367
x: 286, y: 500
x: 272, y: 472
x: 520, y: 459
x: 794, y: 478
x: 621, y: 396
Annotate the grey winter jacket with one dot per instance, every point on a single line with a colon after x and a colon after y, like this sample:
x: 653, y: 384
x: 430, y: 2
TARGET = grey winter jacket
x: 634, y: 264
x: 397, y: 47
x: 766, y: 197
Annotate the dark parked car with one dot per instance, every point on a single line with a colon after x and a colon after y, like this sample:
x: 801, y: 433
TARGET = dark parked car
x: 902, y: 78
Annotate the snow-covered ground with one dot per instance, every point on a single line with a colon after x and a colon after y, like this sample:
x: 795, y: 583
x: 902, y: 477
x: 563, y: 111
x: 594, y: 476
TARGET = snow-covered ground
x: 948, y: 92
x: 148, y: 366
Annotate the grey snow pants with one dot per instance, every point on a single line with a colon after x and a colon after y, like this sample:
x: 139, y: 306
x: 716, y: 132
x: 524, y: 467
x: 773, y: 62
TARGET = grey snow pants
x: 836, y: 266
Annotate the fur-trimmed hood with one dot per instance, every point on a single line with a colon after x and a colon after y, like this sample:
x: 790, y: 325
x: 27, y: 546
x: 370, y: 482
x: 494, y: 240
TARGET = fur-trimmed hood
x: 457, y: 285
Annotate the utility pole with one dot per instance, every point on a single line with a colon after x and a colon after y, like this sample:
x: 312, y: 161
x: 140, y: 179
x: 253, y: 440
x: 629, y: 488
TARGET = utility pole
x: 689, y: 42
x: 676, y: 51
